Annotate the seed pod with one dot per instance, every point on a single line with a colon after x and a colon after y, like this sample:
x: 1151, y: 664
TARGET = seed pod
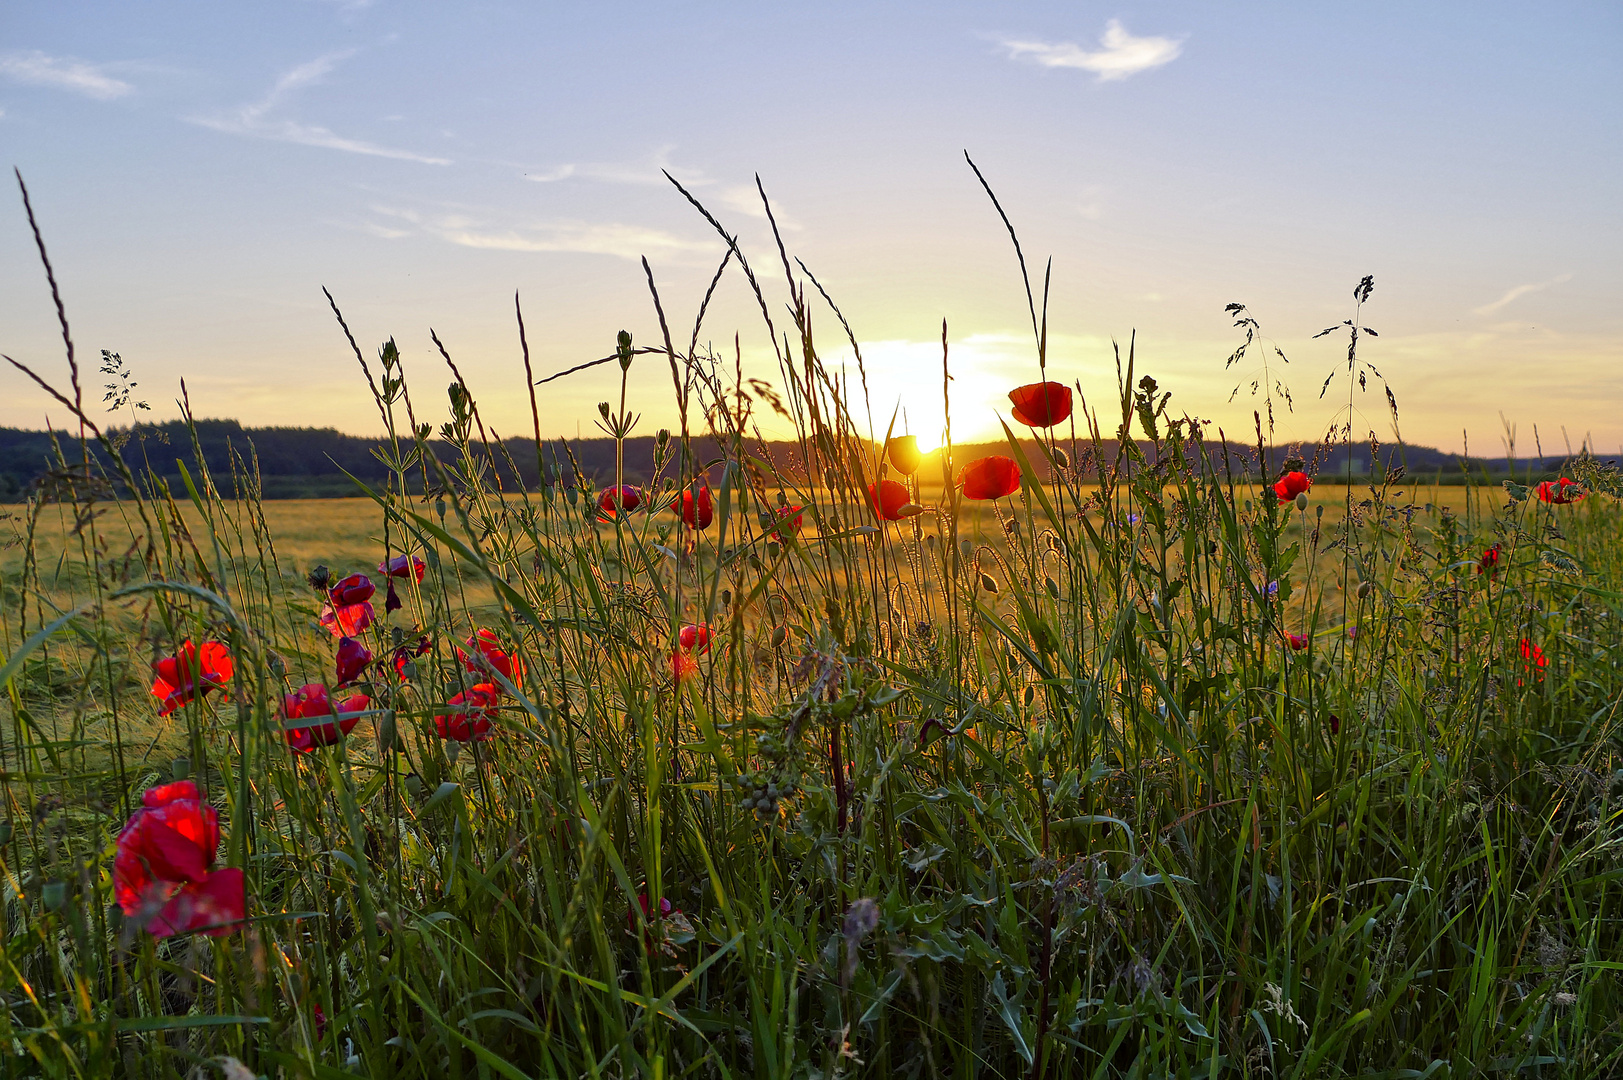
x: 1031, y: 695
x: 989, y: 583
x: 726, y: 598
x: 966, y: 548
x: 388, y: 735
x: 1052, y: 586
x: 1364, y: 589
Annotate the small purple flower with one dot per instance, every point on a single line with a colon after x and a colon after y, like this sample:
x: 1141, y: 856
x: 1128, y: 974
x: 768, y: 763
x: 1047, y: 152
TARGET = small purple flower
x: 1132, y: 519
x: 1352, y: 633
x: 1273, y: 589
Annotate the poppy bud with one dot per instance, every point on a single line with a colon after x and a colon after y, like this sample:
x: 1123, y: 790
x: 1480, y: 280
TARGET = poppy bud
x: 1301, y: 500
x: 780, y: 634
x: 967, y: 549
x: 1364, y: 589
x: 1061, y: 458
x: 1052, y: 587
x: 989, y: 583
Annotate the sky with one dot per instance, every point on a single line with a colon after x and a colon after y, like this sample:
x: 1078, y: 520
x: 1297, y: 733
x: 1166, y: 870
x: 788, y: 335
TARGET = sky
x: 202, y: 170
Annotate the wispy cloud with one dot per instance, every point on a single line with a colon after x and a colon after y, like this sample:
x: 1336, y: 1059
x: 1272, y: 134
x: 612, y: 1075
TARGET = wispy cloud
x: 1519, y: 291
x: 649, y: 171
x: 255, y: 119
x: 63, y: 73
x: 580, y: 237
x: 1120, y: 55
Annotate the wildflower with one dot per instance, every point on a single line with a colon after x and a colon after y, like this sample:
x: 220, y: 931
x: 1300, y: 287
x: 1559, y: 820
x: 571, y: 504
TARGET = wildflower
x: 1533, y: 659
x: 695, y: 636
x: 903, y: 452
x: 1489, y: 563
x: 990, y: 478
x: 347, y: 620
x: 610, y: 501
x: 1297, y: 642
x: 404, y: 566
x: 174, y: 685
x: 354, y: 589
x: 1335, y: 724
x: 1290, y: 485
x: 888, y: 499
x: 163, y: 866
x: 352, y: 659
x: 1132, y: 519
x: 696, y: 509
x: 405, y: 654
x: 1560, y: 492
x: 683, y: 666
x: 485, y: 653
x: 1352, y: 632
x: 666, y: 910
x: 312, y: 701
x: 392, y: 601
x: 788, y: 523
x: 1041, y: 404
x: 476, y: 717
x: 1273, y: 589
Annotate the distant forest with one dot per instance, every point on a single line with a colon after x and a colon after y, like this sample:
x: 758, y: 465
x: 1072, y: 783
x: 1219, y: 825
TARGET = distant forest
x: 301, y: 463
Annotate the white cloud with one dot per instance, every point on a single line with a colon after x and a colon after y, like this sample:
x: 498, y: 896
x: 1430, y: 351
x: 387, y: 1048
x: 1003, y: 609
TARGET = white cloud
x: 254, y: 119
x: 578, y: 237
x: 1121, y: 54
x: 588, y: 238
x: 650, y: 171
x: 63, y: 73
x: 1520, y: 291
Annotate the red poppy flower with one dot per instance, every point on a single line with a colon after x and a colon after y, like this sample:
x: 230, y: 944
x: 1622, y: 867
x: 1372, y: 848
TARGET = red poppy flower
x: 887, y: 498
x: 610, y: 501
x: 990, y: 478
x: 695, y: 636
x: 320, y: 1019
x: 1291, y: 485
x: 312, y: 701
x: 354, y: 589
x: 1489, y: 563
x: 666, y: 910
x: 163, y: 866
x: 1533, y: 659
x: 405, y: 654
x: 352, y: 659
x: 1297, y: 642
x: 1335, y: 724
x: 173, y: 685
x: 1560, y: 491
x: 903, y: 452
x: 347, y: 620
x: 485, y: 653
x: 683, y: 666
x: 1041, y: 404
x: 476, y: 717
x: 696, y: 509
x: 788, y: 523
x: 404, y: 566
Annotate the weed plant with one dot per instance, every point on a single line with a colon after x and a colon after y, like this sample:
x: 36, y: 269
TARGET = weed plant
x: 1041, y: 789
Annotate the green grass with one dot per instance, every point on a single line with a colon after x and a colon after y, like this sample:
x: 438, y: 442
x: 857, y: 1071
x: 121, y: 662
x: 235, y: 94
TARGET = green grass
x: 1022, y: 791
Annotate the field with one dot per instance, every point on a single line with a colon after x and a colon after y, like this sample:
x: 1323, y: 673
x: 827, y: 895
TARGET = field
x: 1143, y: 771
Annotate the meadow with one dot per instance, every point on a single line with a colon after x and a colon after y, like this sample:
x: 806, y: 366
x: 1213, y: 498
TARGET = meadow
x: 1098, y: 757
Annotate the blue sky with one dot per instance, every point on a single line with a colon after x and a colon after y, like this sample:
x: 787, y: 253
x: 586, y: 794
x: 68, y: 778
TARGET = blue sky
x: 201, y: 170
